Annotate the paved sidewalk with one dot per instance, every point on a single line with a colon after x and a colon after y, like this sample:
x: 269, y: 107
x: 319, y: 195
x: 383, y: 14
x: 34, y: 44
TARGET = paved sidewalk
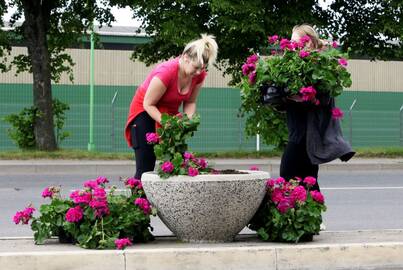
x: 363, y: 250
x: 126, y: 167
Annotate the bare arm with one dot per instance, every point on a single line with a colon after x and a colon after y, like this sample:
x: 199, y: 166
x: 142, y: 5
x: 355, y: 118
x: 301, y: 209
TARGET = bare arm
x: 189, y: 107
x: 155, y: 91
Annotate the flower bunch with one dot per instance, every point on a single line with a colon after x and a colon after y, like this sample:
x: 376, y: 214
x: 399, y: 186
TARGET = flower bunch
x: 171, y: 148
x: 93, y: 217
x: 292, y: 212
x: 307, y: 74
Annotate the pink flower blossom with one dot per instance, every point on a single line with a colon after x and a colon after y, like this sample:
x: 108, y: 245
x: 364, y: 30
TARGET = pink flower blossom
x: 272, y: 39
x: 122, y: 243
x: 284, y: 205
x: 277, y: 195
x: 91, y: 184
x: 193, y: 171
x: 280, y: 181
x: 252, y: 59
x: 81, y: 196
x: 248, y: 68
x: 99, y: 202
x: 144, y: 205
x: 133, y: 182
x: 202, y: 163
x: 152, y: 137
x: 343, y: 62
x: 317, y: 196
x: 299, y: 194
x: 335, y: 44
x: 305, y: 39
x: 252, y: 77
x: 167, y: 167
x: 102, y: 180
x: 188, y: 155
x: 273, y: 52
x: 308, y: 93
x: 23, y: 216
x: 270, y: 183
x: 337, y: 113
x: 254, y: 168
x: 47, y: 192
x: 74, y: 214
x: 284, y: 43
x: 310, y: 181
x: 304, y: 54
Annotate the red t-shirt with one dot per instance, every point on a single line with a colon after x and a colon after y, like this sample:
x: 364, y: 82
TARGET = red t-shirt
x: 170, y: 102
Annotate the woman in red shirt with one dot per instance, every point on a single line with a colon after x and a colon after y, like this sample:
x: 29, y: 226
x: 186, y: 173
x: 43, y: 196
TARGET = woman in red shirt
x: 168, y: 86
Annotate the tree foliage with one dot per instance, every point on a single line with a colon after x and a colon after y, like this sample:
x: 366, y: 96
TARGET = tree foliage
x: 48, y: 28
x: 371, y: 29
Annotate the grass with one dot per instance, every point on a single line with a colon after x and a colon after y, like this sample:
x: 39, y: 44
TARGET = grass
x: 367, y: 152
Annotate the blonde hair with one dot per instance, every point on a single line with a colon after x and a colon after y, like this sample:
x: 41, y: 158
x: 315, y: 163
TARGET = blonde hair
x: 204, y: 49
x: 306, y: 29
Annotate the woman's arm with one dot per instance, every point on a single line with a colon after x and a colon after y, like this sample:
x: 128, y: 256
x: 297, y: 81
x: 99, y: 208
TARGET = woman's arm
x: 155, y: 91
x: 189, y: 107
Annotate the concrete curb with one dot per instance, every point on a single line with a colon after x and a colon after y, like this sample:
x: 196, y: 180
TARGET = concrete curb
x: 363, y: 250
x: 125, y: 167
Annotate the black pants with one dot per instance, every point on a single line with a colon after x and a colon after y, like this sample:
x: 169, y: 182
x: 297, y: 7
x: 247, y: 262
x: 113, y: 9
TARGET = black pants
x: 295, y: 162
x: 144, y: 152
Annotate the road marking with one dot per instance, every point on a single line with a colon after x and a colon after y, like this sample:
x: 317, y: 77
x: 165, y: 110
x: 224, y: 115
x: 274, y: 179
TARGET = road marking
x: 360, y: 188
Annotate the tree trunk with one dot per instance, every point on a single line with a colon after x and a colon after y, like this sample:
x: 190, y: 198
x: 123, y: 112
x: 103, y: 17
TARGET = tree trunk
x: 35, y: 29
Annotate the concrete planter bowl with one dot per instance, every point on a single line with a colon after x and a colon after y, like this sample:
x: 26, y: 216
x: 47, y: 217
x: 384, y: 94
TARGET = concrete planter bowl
x: 206, y: 208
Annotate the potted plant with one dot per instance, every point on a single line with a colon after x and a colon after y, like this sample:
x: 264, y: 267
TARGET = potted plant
x: 291, y: 212
x: 196, y: 202
x: 288, y: 69
x: 92, y: 217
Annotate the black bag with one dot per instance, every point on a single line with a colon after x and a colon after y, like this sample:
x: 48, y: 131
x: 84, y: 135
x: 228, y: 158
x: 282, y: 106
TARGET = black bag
x: 272, y: 95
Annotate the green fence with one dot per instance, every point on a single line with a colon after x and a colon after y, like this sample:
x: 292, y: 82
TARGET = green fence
x: 375, y: 117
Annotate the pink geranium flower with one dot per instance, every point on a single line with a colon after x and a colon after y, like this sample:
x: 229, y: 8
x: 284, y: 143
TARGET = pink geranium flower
x: 337, y: 113
x: 248, y: 68
x: 188, y: 155
x: 299, y: 194
x: 335, y: 44
x: 343, y: 62
x: 152, y: 137
x: 254, y: 168
x: 23, y: 216
x: 252, y: 59
x: 122, y: 243
x: 304, y: 54
x: 310, y: 181
x: 305, y: 39
x: 144, y: 205
x: 74, y: 214
x: 252, y: 77
x: 272, y: 39
x: 308, y: 93
x: 91, y: 184
x: 317, y: 196
x: 133, y: 183
x: 167, y: 167
x: 81, y: 196
x: 193, y: 171
x: 47, y: 192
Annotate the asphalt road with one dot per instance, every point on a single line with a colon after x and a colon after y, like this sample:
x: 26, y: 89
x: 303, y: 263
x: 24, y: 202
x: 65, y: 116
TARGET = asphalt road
x: 356, y: 200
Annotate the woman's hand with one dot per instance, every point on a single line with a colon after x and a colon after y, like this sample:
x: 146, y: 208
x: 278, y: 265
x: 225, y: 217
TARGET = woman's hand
x: 296, y: 98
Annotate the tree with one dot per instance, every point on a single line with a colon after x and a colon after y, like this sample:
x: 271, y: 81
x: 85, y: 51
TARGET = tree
x: 239, y: 26
x: 48, y: 28
x: 371, y: 29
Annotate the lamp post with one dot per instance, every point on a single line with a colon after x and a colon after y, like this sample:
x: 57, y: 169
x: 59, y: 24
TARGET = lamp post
x: 91, y: 145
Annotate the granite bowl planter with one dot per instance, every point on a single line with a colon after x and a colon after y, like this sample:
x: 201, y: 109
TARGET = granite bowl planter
x: 209, y: 207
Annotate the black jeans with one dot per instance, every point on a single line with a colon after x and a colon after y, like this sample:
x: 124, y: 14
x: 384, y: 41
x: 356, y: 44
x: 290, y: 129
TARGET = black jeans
x: 144, y: 152
x: 295, y: 162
